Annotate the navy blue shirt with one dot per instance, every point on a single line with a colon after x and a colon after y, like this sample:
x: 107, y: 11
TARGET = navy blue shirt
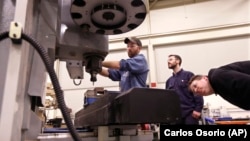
x: 133, y: 72
x: 188, y: 101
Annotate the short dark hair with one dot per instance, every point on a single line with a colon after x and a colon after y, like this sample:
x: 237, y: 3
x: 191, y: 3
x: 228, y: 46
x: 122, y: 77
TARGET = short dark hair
x: 194, y: 77
x: 178, y: 57
x: 133, y: 40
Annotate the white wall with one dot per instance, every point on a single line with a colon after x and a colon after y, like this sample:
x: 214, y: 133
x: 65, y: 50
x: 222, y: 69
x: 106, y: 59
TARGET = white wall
x: 206, y: 34
x: 200, y: 15
x: 199, y: 57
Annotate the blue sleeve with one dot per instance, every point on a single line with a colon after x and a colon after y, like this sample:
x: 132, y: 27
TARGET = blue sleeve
x: 166, y: 84
x: 137, y: 64
x: 199, y: 102
x: 114, y: 75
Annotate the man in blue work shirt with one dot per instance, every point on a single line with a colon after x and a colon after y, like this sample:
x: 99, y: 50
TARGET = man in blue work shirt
x: 191, y: 105
x: 131, y: 72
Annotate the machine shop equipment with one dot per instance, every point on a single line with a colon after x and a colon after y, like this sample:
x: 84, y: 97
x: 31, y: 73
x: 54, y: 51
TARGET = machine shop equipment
x: 119, y: 114
x: 83, y: 29
x: 75, y: 31
x: 160, y: 106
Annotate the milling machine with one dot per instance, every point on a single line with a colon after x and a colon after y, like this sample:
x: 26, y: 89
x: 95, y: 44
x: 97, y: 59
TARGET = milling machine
x: 83, y: 29
x: 74, y: 31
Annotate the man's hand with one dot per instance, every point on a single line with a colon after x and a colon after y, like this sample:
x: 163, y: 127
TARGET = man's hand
x: 196, y: 114
x: 104, y: 72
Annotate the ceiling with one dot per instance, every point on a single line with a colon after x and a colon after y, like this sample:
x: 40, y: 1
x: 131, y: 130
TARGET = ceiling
x: 158, y: 4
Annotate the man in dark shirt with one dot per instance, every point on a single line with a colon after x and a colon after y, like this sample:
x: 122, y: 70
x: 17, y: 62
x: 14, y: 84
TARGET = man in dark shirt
x: 231, y: 82
x: 191, y: 105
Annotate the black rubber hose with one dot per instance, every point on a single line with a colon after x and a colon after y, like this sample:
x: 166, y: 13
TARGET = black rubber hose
x: 59, y: 93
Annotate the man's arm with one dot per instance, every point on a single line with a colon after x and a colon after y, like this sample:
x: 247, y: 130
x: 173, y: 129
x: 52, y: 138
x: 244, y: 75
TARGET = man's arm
x: 199, y: 101
x: 104, y: 72
x: 111, y: 64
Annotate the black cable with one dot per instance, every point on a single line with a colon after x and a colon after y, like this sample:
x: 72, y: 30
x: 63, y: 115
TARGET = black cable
x: 4, y: 35
x: 59, y: 93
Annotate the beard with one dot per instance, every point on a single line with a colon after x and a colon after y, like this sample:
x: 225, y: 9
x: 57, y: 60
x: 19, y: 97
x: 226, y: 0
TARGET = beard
x: 172, y: 66
x: 132, y: 54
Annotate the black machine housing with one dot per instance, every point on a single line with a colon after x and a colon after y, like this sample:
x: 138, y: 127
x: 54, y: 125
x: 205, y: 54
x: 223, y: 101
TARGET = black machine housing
x: 135, y: 106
